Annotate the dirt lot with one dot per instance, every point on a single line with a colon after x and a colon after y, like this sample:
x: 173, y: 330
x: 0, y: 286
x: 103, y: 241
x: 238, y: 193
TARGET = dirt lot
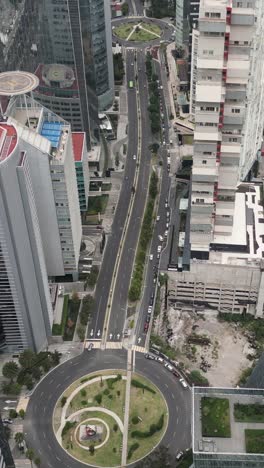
x: 226, y: 352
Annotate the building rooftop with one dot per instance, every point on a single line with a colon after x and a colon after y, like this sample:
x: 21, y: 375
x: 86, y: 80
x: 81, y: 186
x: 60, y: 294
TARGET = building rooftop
x: 55, y: 77
x: 14, y: 83
x: 8, y: 140
x: 78, y: 145
x: 206, y: 422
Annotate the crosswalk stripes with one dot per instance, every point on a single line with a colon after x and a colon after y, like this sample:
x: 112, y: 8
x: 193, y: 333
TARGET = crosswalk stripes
x: 113, y: 345
x: 139, y: 349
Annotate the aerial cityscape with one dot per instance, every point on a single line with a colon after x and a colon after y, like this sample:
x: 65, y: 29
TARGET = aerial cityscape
x: 132, y: 233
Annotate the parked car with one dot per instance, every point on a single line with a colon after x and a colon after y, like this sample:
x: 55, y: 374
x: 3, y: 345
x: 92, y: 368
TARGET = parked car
x: 168, y: 366
x: 149, y: 309
x: 148, y: 318
x: 151, y: 257
x: 176, y: 373
x: 146, y: 326
x: 155, y: 351
x: 8, y: 421
x: 184, y: 384
x: 159, y: 359
x: 159, y: 248
x: 160, y: 238
x: 166, y: 233
x: 158, y: 218
x: 149, y: 356
x: 134, y: 157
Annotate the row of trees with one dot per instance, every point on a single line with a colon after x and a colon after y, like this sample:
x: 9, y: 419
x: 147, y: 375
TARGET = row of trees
x: 119, y: 70
x: 86, y: 311
x: 160, y: 9
x: 154, y: 105
x: 145, y: 237
x: 29, y: 370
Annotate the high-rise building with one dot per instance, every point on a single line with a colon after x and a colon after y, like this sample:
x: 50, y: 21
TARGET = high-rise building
x: 6, y: 459
x: 76, y: 66
x: 25, y: 304
x: 181, y: 23
x: 229, y: 104
x: 69, y: 45
x: 81, y: 167
x: 226, y: 441
x: 47, y: 140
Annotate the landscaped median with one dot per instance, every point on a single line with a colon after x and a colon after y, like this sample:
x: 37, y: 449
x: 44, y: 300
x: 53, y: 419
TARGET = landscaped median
x: 144, y: 240
x: 88, y: 419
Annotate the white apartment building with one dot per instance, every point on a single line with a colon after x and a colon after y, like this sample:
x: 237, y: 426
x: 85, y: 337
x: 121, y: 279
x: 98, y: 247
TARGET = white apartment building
x: 47, y: 141
x: 228, y: 100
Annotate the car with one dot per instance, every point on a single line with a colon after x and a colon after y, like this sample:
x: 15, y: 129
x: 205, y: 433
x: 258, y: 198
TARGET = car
x: 149, y: 309
x: 149, y: 356
x: 168, y: 366
x: 167, y: 225
x: 159, y: 248
x: 99, y: 227
x: 158, y: 256
x: 184, y: 384
x: 179, y: 456
x: 146, y: 326
x: 151, y: 257
x: 148, y: 318
x: 164, y: 142
x: 159, y: 359
x: 154, y: 351
x: 90, y: 347
x: 166, y: 233
x: 126, y: 177
x: 154, y: 280
x: 134, y: 157
x: 7, y: 421
x: 168, y: 214
x: 166, y: 205
x: 158, y: 218
x: 151, y: 301
x: 160, y: 238
x: 176, y: 373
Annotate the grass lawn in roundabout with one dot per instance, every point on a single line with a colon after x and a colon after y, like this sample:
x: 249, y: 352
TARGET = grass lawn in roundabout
x: 143, y: 32
x: 147, y: 409
x: 98, y: 400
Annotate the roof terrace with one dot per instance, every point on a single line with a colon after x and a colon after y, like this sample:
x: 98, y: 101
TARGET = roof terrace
x: 228, y: 420
x: 8, y: 140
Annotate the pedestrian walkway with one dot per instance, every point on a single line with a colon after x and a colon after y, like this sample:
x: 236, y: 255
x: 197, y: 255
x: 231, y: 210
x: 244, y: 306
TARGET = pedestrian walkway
x: 127, y: 405
x: 96, y: 344
x: 113, y: 345
x: 139, y: 349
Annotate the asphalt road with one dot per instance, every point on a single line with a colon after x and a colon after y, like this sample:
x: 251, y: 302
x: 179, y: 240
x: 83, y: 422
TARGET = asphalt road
x: 38, y: 422
x: 118, y: 311
x: 95, y: 329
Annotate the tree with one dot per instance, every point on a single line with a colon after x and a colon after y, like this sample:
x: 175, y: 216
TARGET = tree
x: 91, y: 449
x: 37, y: 461
x: 19, y: 437
x: 125, y: 9
x: 21, y: 413
x: 12, y: 414
x: 30, y: 454
x: 10, y: 370
x: 115, y: 427
x: 55, y: 357
x: 159, y: 458
x: 75, y: 297
x: 10, y: 388
x: 63, y: 401
x: 81, y: 332
x: 27, y: 359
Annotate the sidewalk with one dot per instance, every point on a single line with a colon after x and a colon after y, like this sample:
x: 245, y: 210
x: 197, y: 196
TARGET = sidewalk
x: 127, y: 405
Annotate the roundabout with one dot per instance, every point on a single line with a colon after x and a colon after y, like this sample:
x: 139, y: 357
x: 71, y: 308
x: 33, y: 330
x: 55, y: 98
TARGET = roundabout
x: 138, y: 31
x: 88, y: 419
x: 45, y: 413
x: 141, y: 31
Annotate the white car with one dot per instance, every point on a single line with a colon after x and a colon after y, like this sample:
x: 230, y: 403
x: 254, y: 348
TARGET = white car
x: 151, y: 257
x: 184, y: 384
x: 160, y: 238
x: 158, y: 256
x: 166, y: 233
x: 134, y: 157
x: 168, y: 366
x: 149, y: 310
x: 159, y: 248
x: 159, y: 359
x: 179, y: 456
x: 158, y: 218
x: 167, y: 225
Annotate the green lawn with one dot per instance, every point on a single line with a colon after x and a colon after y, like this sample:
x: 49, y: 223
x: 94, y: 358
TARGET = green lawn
x: 254, y: 440
x: 142, y: 36
x: 58, y: 328
x: 106, y: 187
x: 187, y: 461
x: 249, y: 413
x: 215, y: 417
x: 111, y: 399
x: 149, y: 407
x: 124, y: 30
x: 109, y: 455
x: 97, y: 204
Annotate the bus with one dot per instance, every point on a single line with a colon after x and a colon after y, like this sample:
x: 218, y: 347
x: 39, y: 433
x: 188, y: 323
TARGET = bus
x: 131, y: 84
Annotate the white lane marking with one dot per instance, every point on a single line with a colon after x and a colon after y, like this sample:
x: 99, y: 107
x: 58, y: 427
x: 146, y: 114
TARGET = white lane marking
x: 58, y: 458
x: 44, y: 435
x: 173, y: 396
x: 58, y: 385
x: 51, y: 381
x: 166, y: 385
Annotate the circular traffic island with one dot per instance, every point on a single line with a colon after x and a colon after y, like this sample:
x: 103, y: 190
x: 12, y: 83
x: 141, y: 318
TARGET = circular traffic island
x: 138, y: 32
x: 88, y: 419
